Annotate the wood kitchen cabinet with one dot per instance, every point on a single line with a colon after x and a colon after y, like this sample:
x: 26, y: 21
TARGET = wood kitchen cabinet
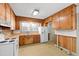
x: 29, y: 39
x: 7, y: 15
x: 63, y: 41
x: 65, y: 19
x: 12, y: 17
x: 71, y: 44
x: 68, y: 18
x: 74, y: 44
x: 25, y: 39
x: 46, y: 21
x: 55, y: 21
x: 36, y: 38
x: 2, y: 13
x: 67, y: 42
x: 21, y: 40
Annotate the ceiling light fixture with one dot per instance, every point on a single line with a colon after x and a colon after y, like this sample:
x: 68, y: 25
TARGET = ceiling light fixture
x: 35, y: 12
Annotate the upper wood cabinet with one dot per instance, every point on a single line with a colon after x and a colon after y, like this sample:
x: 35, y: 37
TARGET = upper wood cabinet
x: 7, y: 15
x: 2, y: 13
x: 12, y: 17
x: 55, y: 21
x: 65, y: 19
x: 46, y: 21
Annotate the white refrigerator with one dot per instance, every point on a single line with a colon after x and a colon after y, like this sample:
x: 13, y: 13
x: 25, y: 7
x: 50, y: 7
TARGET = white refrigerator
x: 43, y: 34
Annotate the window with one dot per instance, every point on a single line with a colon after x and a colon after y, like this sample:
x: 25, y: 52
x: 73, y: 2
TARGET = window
x: 29, y: 26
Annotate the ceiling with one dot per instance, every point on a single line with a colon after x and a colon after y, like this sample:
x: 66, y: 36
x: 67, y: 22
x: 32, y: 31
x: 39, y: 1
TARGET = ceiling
x: 45, y: 9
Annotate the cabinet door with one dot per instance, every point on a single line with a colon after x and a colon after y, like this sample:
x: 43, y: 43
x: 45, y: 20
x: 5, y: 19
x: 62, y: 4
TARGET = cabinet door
x: 66, y: 20
x: 74, y: 44
x: 67, y: 43
x: 36, y: 38
x: 65, y: 40
x: 61, y: 39
x: 21, y: 40
x: 28, y: 39
x: 12, y: 16
x: 74, y: 17
x: 2, y: 13
x: 55, y: 22
x: 71, y: 44
x: 8, y: 21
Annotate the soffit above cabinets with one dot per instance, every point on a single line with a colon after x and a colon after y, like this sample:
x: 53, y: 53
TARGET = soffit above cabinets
x: 45, y: 9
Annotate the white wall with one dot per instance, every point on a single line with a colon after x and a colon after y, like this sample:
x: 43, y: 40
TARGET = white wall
x: 77, y: 34
x: 77, y: 41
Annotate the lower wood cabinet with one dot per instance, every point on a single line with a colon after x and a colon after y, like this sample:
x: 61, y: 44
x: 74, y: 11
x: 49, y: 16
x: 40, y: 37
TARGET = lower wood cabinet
x: 28, y: 39
x: 67, y: 42
x: 21, y: 40
x: 36, y: 39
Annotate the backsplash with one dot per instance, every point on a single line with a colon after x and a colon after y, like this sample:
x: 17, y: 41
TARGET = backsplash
x: 6, y: 32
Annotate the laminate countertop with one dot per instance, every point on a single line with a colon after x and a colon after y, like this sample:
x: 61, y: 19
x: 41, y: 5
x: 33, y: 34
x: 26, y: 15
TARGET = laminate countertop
x: 14, y: 35
x: 70, y: 33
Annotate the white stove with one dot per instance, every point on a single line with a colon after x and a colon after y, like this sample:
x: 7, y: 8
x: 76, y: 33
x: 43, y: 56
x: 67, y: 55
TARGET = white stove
x: 8, y: 48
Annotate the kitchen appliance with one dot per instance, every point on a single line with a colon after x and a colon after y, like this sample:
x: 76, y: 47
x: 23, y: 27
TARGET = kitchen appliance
x: 43, y: 34
x: 8, y: 48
